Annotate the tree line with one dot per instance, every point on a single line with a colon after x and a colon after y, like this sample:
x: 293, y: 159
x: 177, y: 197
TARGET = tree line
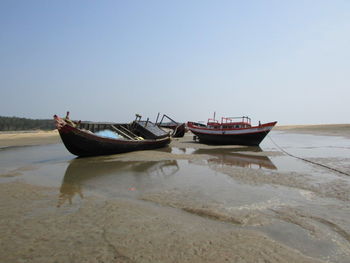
x: 23, y: 124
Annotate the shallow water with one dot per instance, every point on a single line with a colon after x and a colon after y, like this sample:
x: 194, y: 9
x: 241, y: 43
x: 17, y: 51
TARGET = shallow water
x: 307, y: 145
x: 260, y: 188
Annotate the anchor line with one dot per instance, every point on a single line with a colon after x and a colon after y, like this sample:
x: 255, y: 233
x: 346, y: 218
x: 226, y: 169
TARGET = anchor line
x: 306, y: 160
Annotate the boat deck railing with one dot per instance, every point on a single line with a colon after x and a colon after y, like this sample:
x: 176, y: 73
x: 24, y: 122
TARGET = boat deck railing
x: 230, y: 120
x: 243, y: 119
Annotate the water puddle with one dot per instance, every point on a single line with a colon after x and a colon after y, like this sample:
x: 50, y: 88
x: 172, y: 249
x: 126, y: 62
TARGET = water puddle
x: 178, y: 178
x: 17, y: 161
x: 241, y: 157
x: 309, y: 146
x: 252, y: 158
x: 176, y: 150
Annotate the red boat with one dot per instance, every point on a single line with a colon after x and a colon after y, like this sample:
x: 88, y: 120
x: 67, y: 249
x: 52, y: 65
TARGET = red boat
x: 231, y: 131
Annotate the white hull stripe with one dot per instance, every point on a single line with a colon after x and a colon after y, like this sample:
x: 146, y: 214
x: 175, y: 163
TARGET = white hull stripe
x: 231, y: 132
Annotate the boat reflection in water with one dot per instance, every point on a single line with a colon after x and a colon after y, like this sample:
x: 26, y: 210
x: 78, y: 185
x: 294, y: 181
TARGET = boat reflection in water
x: 111, y: 177
x: 237, y: 157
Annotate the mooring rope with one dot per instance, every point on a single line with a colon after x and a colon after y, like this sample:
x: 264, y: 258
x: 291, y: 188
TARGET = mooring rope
x: 306, y: 160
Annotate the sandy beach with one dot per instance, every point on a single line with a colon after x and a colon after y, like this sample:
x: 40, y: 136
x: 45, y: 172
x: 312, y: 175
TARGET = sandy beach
x: 177, y: 224
x: 8, y: 139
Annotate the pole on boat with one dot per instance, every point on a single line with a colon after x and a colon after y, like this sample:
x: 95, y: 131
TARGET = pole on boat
x: 169, y: 119
x: 138, y: 117
x: 157, y: 117
x: 161, y: 121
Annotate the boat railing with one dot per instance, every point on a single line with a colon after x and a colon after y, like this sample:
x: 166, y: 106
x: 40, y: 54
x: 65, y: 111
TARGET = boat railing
x: 212, y: 121
x: 243, y: 119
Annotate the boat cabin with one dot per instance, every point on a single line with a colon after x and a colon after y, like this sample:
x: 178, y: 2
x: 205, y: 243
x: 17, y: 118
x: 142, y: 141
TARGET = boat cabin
x: 230, y: 123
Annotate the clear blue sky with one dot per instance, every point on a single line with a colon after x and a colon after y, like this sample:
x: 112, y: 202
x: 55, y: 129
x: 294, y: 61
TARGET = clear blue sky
x: 107, y: 60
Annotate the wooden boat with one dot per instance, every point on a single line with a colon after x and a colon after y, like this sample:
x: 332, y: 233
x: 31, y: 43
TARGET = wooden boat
x: 178, y: 129
x: 230, y: 131
x: 80, y: 139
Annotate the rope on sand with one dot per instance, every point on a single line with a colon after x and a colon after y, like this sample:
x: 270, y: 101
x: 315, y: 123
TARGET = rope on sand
x: 306, y: 160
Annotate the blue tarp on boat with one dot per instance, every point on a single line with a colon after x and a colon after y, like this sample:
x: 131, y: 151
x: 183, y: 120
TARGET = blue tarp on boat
x: 108, y: 134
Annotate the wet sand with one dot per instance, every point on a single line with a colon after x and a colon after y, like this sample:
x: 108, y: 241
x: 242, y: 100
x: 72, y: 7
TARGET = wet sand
x: 261, y: 214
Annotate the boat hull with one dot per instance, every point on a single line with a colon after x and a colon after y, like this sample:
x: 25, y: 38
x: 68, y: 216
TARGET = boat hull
x: 178, y: 129
x: 253, y: 139
x: 247, y: 137
x: 81, y: 143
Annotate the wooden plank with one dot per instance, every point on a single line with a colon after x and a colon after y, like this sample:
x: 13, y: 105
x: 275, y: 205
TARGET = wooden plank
x: 126, y: 130
x: 122, y: 133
